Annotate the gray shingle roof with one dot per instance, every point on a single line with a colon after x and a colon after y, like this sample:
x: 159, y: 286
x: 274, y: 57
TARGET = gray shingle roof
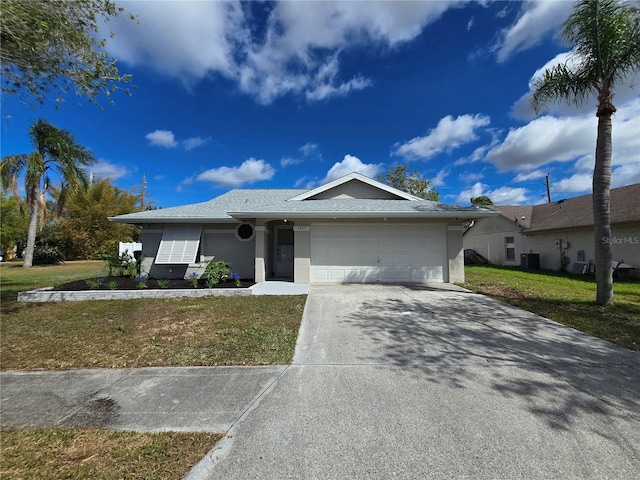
x: 263, y: 203
x: 578, y: 211
x: 216, y: 209
x: 575, y: 212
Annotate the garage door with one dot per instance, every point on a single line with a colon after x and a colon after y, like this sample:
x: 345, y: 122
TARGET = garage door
x: 378, y: 253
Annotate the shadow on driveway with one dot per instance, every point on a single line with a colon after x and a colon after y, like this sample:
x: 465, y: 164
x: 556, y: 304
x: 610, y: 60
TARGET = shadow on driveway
x: 447, y: 335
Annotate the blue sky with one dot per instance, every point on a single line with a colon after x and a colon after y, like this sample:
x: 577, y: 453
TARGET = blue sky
x: 294, y: 94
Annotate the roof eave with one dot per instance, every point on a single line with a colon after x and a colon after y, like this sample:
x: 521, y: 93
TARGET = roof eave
x: 329, y: 214
x: 138, y: 221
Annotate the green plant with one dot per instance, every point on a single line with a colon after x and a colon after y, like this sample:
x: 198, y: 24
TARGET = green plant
x: 95, y: 282
x: 113, y: 285
x: 120, y: 265
x: 163, y: 283
x: 192, y: 279
x: 47, y: 255
x: 236, y: 279
x: 217, y: 272
x: 141, y: 281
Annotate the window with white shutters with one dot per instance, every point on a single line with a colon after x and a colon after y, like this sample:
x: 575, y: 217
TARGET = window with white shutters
x: 179, y: 244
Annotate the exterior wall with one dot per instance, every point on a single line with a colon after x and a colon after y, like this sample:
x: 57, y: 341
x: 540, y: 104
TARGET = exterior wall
x: 455, y: 254
x: 487, y: 237
x: 260, y: 243
x: 354, y: 189
x: 625, y: 245
x: 217, y: 242
x: 302, y: 259
x: 222, y: 243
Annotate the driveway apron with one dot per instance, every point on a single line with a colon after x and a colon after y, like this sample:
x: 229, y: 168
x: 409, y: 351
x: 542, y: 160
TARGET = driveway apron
x: 420, y: 382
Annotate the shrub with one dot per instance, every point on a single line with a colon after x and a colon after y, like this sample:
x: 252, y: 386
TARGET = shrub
x: 47, y: 255
x: 217, y: 272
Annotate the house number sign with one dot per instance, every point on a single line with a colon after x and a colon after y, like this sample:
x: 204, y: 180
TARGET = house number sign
x: 301, y: 228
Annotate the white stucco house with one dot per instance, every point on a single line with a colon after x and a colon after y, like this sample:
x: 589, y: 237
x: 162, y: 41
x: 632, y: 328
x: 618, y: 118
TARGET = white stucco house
x: 353, y: 229
x: 559, y: 233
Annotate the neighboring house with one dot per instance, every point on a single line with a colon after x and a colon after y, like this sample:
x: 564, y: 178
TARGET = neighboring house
x: 561, y: 232
x: 353, y: 229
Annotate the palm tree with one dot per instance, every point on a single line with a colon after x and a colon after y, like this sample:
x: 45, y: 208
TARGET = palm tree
x: 56, y: 151
x: 605, y: 35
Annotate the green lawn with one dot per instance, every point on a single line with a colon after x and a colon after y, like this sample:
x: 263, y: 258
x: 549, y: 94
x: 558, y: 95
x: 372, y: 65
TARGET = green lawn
x: 127, y: 333
x: 53, y: 453
x: 565, y: 298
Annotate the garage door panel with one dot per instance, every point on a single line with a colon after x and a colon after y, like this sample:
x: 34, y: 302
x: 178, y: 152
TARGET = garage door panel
x: 378, y: 253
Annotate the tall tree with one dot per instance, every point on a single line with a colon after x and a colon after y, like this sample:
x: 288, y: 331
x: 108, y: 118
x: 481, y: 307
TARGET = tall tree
x: 413, y: 183
x: 56, y: 152
x: 605, y: 36
x: 83, y: 226
x: 57, y: 45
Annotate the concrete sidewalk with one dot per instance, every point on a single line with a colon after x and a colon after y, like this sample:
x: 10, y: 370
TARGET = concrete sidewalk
x: 148, y: 399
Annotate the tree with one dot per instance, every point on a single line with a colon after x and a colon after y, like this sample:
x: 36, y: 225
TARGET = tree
x: 83, y: 226
x: 56, y: 152
x: 413, y: 183
x: 56, y: 45
x: 13, y: 224
x: 605, y: 36
x: 481, y: 201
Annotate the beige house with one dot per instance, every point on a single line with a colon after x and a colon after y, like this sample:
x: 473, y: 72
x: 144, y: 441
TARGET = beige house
x: 559, y: 234
x: 353, y: 229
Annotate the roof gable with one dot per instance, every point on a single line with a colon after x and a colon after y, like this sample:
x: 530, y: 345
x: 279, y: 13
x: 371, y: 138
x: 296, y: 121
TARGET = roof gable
x: 355, y: 186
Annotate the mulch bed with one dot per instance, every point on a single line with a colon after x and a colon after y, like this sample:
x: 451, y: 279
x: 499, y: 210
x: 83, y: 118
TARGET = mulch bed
x: 127, y: 283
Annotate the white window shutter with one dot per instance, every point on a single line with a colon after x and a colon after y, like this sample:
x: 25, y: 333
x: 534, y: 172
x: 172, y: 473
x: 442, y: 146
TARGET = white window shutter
x: 179, y: 244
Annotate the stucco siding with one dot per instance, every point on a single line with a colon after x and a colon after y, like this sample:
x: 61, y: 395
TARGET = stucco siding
x: 354, y: 189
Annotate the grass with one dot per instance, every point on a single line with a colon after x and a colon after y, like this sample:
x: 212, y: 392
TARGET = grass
x: 51, y: 453
x: 255, y: 330
x: 14, y: 278
x: 127, y: 333
x: 565, y: 298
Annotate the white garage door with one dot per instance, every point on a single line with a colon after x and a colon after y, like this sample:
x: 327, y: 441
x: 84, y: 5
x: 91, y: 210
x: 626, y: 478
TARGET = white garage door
x: 378, y: 253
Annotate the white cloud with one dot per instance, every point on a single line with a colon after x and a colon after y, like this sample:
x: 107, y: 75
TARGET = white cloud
x: 162, y: 138
x: 297, y: 53
x: 249, y: 172
x: 438, y: 180
x: 549, y: 139
x: 527, y: 176
x: 626, y: 90
x: 105, y: 169
x: 468, y: 177
x: 449, y: 134
x: 626, y: 174
x: 350, y: 164
x: 286, y: 161
x: 186, y: 40
x: 195, y: 142
x: 576, y: 183
x: 308, y: 150
x: 536, y: 19
x: 499, y: 196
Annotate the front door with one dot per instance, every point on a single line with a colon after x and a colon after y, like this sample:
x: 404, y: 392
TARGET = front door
x: 284, y: 251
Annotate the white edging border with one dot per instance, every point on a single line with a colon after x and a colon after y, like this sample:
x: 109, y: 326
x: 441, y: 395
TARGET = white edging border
x: 48, y: 294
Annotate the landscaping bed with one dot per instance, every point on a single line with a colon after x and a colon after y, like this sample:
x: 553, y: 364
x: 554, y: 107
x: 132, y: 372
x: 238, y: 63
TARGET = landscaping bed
x: 128, y: 283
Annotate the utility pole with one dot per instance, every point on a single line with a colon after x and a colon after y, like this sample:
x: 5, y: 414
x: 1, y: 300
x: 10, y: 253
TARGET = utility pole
x: 548, y: 189
x: 144, y: 189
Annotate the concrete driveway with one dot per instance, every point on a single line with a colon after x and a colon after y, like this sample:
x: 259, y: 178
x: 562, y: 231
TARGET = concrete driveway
x: 419, y: 382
